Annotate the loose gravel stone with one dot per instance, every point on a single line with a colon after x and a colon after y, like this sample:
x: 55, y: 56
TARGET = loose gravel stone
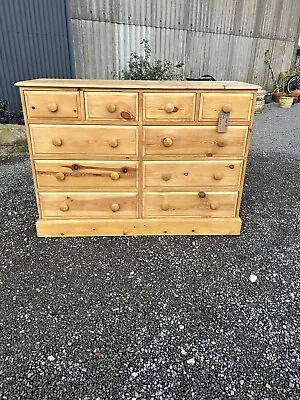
x: 114, y: 313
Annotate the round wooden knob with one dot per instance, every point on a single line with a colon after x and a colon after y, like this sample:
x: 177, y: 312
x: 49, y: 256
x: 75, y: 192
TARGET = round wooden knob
x: 227, y: 108
x: 165, y: 207
x: 115, y: 207
x: 52, y: 107
x: 57, y: 142
x: 60, y: 176
x: 115, y: 176
x: 214, y: 206
x: 113, y: 143
x: 167, y: 142
x: 169, y: 108
x: 218, y: 176
x: 221, y: 143
x: 111, y: 108
x: 202, y: 195
x: 126, y: 115
x: 64, y: 207
x: 166, y: 177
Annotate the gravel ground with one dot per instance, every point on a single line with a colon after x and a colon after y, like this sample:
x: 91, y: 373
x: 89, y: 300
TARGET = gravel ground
x: 162, y: 318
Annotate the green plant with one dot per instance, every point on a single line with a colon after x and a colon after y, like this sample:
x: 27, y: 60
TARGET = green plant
x: 143, y: 68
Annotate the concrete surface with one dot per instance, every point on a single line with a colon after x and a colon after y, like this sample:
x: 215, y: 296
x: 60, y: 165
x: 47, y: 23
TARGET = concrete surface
x: 162, y: 318
x: 10, y: 134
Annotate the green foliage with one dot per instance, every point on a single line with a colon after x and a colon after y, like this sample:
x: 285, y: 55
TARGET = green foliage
x: 142, y: 68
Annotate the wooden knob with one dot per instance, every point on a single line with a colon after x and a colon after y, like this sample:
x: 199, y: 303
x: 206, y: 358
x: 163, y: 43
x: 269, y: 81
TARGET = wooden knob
x: 115, y: 207
x: 165, y: 207
x: 115, y: 176
x: 126, y: 115
x: 52, y: 107
x: 166, y: 177
x: 64, y: 207
x: 113, y: 143
x: 111, y: 108
x: 214, y: 206
x: 167, y: 142
x: 227, y: 108
x: 221, y: 143
x: 57, y: 142
x: 218, y: 176
x: 60, y: 176
x: 169, y: 108
x: 202, y: 195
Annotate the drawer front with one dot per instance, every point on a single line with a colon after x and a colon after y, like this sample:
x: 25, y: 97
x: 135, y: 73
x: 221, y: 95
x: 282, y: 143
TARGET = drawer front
x: 239, y: 105
x: 88, y: 205
x: 110, y: 106
x: 86, y: 174
x: 52, y: 104
x: 169, y: 106
x: 192, y: 140
x: 84, y: 139
x: 192, y: 173
x: 196, y: 204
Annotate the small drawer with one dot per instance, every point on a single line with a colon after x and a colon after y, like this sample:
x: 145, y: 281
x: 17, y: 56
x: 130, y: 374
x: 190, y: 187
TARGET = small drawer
x: 83, y: 139
x: 238, y: 105
x: 169, y: 106
x: 194, y: 204
x: 195, y: 140
x: 111, y: 106
x: 192, y: 173
x: 88, y: 205
x: 52, y: 104
x: 85, y: 174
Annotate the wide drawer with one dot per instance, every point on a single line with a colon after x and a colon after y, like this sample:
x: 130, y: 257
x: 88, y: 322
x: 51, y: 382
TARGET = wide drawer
x: 192, y: 173
x: 52, y: 104
x: 195, y: 140
x: 200, y: 204
x: 111, y: 106
x: 84, y: 139
x: 239, y: 105
x: 169, y: 106
x: 85, y: 174
x: 88, y: 205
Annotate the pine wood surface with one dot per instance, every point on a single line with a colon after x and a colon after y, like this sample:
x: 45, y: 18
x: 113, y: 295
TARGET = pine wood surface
x: 131, y: 157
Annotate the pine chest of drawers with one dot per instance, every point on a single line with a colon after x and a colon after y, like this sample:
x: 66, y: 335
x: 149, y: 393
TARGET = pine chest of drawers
x: 138, y: 157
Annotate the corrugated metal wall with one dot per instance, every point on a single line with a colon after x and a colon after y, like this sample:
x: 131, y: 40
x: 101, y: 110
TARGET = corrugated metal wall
x: 34, y: 43
x: 224, y: 38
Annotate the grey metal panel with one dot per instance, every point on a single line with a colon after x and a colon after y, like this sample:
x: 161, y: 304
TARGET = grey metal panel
x: 224, y: 38
x: 34, y: 43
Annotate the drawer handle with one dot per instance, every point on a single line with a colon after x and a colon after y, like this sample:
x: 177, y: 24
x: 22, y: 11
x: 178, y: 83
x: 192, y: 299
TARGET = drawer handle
x: 221, y: 143
x: 115, y: 207
x: 169, y: 108
x: 126, y: 115
x: 111, y: 108
x: 53, y: 107
x: 165, y: 206
x: 60, y: 176
x: 115, y: 176
x: 202, y: 195
x: 166, y: 177
x: 214, y: 206
x: 64, y: 207
x: 113, y: 143
x: 227, y: 108
x: 57, y: 142
x: 167, y: 142
x: 218, y: 176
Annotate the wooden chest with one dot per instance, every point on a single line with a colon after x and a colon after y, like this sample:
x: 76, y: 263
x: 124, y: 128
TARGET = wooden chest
x: 138, y: 157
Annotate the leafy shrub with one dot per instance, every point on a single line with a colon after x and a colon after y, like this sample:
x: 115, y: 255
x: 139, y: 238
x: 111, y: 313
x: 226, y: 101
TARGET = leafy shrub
x: 142, y: 68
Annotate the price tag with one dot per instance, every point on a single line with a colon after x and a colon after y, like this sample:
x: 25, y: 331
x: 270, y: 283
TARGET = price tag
x: 223, y: 122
